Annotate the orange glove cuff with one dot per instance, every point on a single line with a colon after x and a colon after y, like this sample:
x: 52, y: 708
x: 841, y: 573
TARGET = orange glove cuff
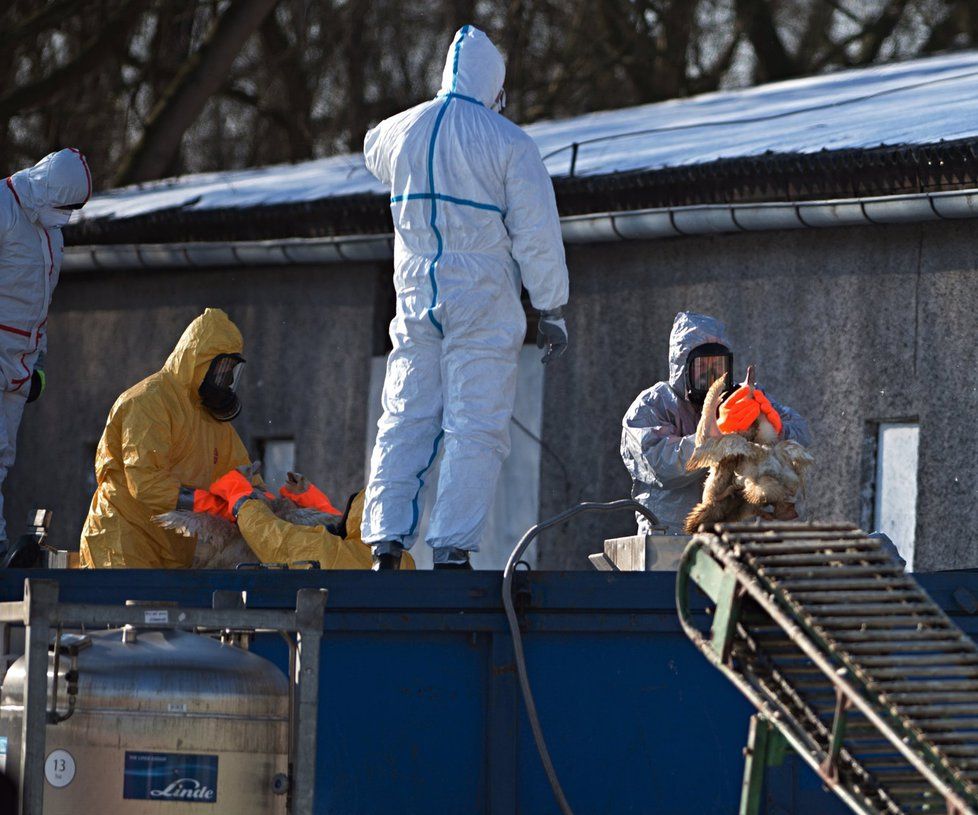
x: 232, y: 487
x: 311, y: 498
x: 205, y: 501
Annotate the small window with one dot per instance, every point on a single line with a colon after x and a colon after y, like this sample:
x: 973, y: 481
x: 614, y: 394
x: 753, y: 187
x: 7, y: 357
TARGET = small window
x: 895, y: 509
x: 277, y: 460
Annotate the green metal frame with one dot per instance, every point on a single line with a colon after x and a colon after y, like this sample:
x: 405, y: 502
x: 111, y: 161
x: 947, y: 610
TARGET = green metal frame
x: 712, y: 568
x: 766, y: 747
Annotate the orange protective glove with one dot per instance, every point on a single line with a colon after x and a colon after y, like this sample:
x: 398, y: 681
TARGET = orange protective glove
x: 310, y: 498
x: 234, y: 489
x: 738, y: 411
x: 205, y: 501
x: 768, y: 410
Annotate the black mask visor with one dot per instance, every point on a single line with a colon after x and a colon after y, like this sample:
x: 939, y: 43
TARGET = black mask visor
x: 217, y: 391
x: 704, y: 366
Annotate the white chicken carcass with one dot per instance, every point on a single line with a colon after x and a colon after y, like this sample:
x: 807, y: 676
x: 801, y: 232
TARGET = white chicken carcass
x: 752, y: 474
x: 219, y: 541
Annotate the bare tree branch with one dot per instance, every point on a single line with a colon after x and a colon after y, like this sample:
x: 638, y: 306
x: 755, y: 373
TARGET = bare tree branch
x: 63, y: 79
x: 878, y: 32
x: 202, y: 76
x: 49, y: 16
x: 756, y: 17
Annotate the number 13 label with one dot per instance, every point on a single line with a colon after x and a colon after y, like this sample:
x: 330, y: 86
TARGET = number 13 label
x: 59, y: 769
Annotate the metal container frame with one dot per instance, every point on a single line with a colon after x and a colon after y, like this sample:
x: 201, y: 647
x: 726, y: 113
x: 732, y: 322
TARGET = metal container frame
x: 40, y: 611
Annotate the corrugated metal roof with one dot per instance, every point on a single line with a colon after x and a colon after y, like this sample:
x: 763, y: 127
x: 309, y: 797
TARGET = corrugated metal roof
x: 770, y: 142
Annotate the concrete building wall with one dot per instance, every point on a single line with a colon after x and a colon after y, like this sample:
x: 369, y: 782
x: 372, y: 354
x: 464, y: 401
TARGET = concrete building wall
x: 308, y: 342
x: 849, y: 326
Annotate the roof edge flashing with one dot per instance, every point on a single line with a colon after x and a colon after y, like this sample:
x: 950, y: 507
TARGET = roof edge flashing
x: 605, y: 227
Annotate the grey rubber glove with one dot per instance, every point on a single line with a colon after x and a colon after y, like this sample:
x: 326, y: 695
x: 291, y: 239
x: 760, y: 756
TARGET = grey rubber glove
x: 552, y: 334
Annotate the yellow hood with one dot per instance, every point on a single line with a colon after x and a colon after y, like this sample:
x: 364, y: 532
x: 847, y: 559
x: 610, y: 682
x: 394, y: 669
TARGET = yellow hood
x: 212, y: 333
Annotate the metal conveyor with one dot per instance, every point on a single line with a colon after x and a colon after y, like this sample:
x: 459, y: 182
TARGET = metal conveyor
x: 847, y: 660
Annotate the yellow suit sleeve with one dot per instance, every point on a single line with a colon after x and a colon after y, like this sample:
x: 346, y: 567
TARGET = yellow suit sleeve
x: 145, y: 457
x: 278, y: 541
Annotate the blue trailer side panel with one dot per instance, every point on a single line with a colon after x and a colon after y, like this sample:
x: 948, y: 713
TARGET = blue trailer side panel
x: 419, y: 708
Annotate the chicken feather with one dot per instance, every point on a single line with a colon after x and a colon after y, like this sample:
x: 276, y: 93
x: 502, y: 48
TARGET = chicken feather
x: 748, y: 471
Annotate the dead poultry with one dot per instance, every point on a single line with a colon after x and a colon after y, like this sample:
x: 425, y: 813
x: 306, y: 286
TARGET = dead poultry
x: 219, y: 542
x: 749, y: 471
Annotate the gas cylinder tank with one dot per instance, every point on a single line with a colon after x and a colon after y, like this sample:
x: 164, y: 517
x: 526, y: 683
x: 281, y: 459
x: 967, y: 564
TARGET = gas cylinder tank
x: 164, y: 721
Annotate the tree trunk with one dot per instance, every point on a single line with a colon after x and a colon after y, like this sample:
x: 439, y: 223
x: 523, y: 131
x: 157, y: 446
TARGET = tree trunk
x: 202, y: 76
x: 756, y: 18
x: 296, y: 87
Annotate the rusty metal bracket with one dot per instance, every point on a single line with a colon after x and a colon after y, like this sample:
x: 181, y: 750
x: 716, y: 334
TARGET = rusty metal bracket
x: 829, y: 769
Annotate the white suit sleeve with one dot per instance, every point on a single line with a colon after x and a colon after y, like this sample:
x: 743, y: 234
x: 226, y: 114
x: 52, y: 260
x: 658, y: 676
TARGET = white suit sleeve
x: 534, y: 227
x: 375, y: 156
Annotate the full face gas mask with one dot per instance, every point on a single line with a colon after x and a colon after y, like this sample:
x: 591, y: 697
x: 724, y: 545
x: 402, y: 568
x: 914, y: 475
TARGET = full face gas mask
x: 704, y: 366
x: 218, y: 390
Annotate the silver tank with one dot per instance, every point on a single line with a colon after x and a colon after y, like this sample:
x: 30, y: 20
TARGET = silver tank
x: 166, y: 721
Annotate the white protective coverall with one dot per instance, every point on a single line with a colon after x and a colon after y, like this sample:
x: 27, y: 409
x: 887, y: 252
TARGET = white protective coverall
x: 475, y: 216
x: 31, y: 248
x: 659, y: 431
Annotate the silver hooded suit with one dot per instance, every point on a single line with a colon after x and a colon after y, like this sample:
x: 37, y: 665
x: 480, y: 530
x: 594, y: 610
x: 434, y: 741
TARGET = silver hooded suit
x: 658, y: 431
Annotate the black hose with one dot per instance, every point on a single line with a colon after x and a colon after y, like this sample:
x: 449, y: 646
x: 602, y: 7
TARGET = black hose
x: 514, y: 625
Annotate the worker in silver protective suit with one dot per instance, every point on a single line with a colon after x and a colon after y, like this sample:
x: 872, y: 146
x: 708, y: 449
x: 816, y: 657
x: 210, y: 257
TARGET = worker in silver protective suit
x: 34, y: 204
x: 659, y: 429
x: 475, y: 217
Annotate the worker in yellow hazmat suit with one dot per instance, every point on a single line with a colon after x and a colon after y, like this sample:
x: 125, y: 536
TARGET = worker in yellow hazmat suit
x: 165, y: 437
x: 333, y: 546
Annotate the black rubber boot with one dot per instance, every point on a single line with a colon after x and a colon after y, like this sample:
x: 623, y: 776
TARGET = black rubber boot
x: 387, y: 562
x: 466, y: 566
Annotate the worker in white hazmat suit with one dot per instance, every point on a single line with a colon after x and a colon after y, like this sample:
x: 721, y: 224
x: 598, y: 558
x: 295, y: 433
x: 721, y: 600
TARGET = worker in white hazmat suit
x: 659, y: 430
x: 34, y: 205
x: 475, y: 217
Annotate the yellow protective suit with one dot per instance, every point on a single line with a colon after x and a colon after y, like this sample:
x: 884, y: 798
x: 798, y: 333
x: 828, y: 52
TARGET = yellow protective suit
x: 278, y: 541
x: 158, y: 438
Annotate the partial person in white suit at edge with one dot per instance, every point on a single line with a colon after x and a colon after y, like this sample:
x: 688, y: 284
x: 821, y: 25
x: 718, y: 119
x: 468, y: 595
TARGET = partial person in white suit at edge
x: 34, y: 204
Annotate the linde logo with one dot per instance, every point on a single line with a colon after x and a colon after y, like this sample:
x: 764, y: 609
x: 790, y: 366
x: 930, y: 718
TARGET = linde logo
x: 170, y: 778
x: 185, y: 789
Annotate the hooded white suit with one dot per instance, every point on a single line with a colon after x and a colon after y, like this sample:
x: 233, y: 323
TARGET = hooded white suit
x: 31, y: 248
x: 475, y: 217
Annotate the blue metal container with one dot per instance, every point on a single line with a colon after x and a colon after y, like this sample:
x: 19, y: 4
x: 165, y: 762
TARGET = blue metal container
x: 419, y: 706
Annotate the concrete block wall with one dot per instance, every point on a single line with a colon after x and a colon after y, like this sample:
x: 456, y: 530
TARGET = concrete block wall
x: 848, y: 326
x: 308, y: 341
